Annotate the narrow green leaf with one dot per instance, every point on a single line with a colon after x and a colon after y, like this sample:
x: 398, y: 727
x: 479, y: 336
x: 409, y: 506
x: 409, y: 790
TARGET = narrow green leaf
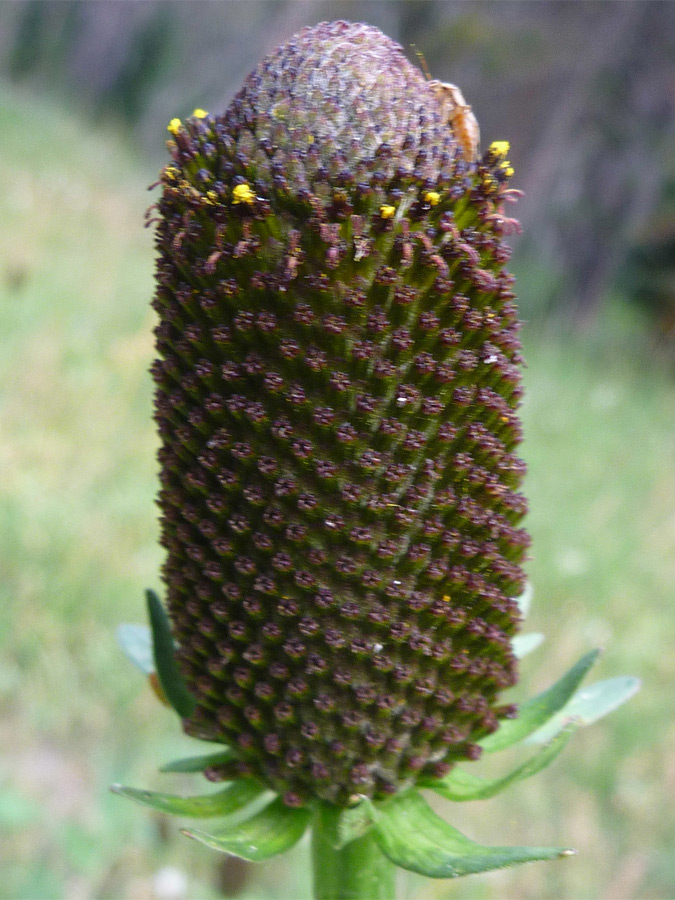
x: 354, y: 823
x: 536, y: 712
x: 588, y: 705
x: 461, y: 785
x: 412, y: 836
x: 525, y: 600
x: 136, y: 643
x: 525, y: 643
x: 229, y: 800
x: 271, y: 831
x: 169, y: 675
x: 199, y: 763
x: 341, y: 826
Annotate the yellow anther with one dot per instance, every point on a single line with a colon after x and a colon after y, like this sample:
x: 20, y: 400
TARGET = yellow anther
x: 310, y: 138
x: 212, y: 196
x: 507, y: 168
x: 387, y: 211
x: 499, y: 148
x: 243, y: 194
x: 174, y: 126
x: 171, y: 173
x: 199, y: 113
x: 432, y: 198
x: 446, y: 598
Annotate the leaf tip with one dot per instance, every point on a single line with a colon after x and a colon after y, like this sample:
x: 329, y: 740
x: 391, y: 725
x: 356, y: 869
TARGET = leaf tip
x: 567, y: 852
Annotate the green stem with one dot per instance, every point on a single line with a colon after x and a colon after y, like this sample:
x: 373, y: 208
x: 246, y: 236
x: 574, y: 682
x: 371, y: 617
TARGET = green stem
x: 357, y: 871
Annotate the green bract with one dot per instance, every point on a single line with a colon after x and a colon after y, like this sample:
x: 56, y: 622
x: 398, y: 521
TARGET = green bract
x: 404, y: 828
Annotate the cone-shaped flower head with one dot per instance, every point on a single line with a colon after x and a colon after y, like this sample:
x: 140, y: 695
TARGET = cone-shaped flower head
x: 336, y: 391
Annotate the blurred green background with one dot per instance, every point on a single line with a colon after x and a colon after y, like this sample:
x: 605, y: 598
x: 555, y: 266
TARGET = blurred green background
x: 585, y: 92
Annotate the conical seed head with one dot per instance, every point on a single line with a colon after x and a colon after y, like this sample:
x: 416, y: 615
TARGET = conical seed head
x: 337, y: 380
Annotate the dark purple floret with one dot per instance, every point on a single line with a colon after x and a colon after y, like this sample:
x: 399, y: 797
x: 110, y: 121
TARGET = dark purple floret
x: 337, y: 385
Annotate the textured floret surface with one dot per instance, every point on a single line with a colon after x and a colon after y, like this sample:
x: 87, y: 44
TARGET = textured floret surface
x: 337, y: 384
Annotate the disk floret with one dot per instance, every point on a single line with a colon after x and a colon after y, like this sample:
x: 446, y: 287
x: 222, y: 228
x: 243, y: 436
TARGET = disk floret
x: 337, y: 392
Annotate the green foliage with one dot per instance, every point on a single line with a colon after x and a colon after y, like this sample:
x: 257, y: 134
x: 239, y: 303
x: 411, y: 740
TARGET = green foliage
x: 229, y: 800
x: 536, y: 712
x: 587, y: 706
x: 341, y: 826
x: 460, y: 785
x: 168, y: 673
x: 410, y: 833
x: 523, y: 644
x: 273, y: 830
x: 136, y: 641
x: 198, y: 763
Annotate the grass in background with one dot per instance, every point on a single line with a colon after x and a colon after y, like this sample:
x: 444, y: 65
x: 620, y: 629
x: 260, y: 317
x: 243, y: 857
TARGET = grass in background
x: 78, y: 544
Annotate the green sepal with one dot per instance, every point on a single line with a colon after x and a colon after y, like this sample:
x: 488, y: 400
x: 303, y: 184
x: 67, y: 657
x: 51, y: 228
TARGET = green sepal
x: 341, y: 826
x: 199, y: 763
x: 536, y: 712
x: 273, y: 830
x: 525, y: 600
x: 413, y: 837
x: 525, y: 643
x: 223, y: 803
x: 459, y: 785
x: 588, y: 705
x: 136, y: 643
x: 164, y: 650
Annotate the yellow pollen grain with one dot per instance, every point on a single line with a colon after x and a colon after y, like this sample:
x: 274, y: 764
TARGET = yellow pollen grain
x: 500, y: 148
x: 387, y: 211
x: 199, y: 113
x: 174, y: 126
x: 243, y: 194
x: 432, y: 198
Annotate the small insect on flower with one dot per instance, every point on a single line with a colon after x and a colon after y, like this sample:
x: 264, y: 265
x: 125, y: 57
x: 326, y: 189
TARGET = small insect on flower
x: 459, y: 116
x: 456, y: 112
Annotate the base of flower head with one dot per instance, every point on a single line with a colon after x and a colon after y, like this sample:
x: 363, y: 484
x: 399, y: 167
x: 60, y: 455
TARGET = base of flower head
x: 403, y: 827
